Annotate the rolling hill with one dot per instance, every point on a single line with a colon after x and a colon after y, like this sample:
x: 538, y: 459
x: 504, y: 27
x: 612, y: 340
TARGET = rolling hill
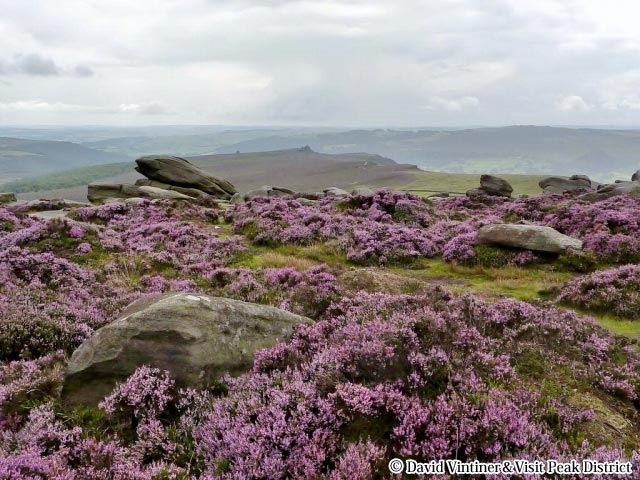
x: 604, y: 154
x: 22, y: 157
x: 299, y: 169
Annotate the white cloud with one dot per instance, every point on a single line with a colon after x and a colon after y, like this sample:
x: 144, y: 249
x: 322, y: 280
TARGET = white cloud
x: 453, y: 104
x: 573, y: 103
x: 359, y: 62
x: 152, y: 108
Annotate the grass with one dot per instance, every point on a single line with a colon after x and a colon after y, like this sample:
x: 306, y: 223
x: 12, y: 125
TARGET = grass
x: 526, y: 284
x: 519, y: 283
x: 619, y: 326
x: 299, y: 257
x: 461, y: 182
x: 66, y: 179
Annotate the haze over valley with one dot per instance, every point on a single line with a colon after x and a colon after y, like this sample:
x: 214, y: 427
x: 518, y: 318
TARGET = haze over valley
x: 603, y: 154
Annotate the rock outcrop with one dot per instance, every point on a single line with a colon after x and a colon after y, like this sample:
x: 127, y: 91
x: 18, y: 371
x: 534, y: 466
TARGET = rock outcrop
x: 181, y: 173
x: 529, y: 237
x: 363, y: 191
x: 636, y: 176
x: 492, y: 186
x: 495, y: 186
x: 268, y: 191
x: 199, y: 195
x: 335, y: 192
x: 197, y: 338
x: 161, y: 193
x: 100, y: 192
x: 573, y: 184
x: 611, y: 190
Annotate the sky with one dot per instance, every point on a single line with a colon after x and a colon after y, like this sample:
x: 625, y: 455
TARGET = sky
x: 314, y: 62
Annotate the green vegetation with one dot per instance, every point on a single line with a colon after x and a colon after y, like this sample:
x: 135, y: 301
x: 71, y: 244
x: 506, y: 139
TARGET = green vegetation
x: 66, y: 179
x: 433, y: 182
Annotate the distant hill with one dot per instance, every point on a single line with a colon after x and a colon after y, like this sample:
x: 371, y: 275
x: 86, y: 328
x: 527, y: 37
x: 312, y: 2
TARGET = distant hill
x: 604, y: 154
x: 299, y: 169
x: 22, y: 158
x: 188, y: 144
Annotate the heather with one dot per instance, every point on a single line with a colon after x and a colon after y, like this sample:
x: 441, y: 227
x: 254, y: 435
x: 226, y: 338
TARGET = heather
x: 430, y: 375
x: 614, y: 290
x: 397, y: 228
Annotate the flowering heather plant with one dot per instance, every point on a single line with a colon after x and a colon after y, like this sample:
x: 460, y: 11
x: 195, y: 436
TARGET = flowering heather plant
x: 307, y: 293
x: 614, y: 290
x: 145, y: 394
x: 428, y: 377
x: 375, y: 377
x: 383, y: 228
x: 399, y: 228
x: 163, y: 235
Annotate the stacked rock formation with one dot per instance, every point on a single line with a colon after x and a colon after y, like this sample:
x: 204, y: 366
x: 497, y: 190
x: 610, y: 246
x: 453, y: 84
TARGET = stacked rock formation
x: 574, y: 184
x: 168, y: 177
x: 491, y: 186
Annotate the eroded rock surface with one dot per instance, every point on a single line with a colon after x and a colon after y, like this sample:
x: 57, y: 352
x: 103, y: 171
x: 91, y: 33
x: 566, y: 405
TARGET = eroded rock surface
x: 197, y: 338
x: 529, y: 237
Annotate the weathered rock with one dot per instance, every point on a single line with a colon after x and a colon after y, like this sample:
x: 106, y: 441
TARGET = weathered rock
x: 364, y: 191
x: 476, y: 194
x: 42, y: 205
x: 236, y: 199
x: 636, y: 176
x: 440, y: 195
x: 580, y: 177
x: 130, y: 200
x: 612, y: 190
x: 305, y: 202
x: 197, y: 338
x: 576, y: 183
x: 335, y: 192
x: 182, y: 173
x: 190, y: 192
x: 154, y: 192
x: 7, y: 197
x: 268, y: 191
x: 100, y: 192
x: 310, y: 195
x: 495, y: 186
x: 529, y: 237
x: 49, y: 214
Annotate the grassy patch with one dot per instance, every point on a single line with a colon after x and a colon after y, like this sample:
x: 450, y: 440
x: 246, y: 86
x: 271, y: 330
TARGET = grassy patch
x: 434, y: 182
x: 520, y: 283
x: 619, y: 326
x: 299, y: 257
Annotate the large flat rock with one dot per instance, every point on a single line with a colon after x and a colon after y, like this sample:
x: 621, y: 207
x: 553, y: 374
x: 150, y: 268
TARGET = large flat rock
x: 576, y: 183
x: 611, y: 190
x: 197, y: 338
x: 100, y: 192
x: 181, y: 173
x: 529, y: 237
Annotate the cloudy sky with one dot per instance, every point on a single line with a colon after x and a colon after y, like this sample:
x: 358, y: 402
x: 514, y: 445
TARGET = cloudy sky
x: 316, y: 62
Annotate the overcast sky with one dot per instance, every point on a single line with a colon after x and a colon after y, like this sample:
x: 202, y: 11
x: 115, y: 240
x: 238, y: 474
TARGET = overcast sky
x: 315, y: 62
